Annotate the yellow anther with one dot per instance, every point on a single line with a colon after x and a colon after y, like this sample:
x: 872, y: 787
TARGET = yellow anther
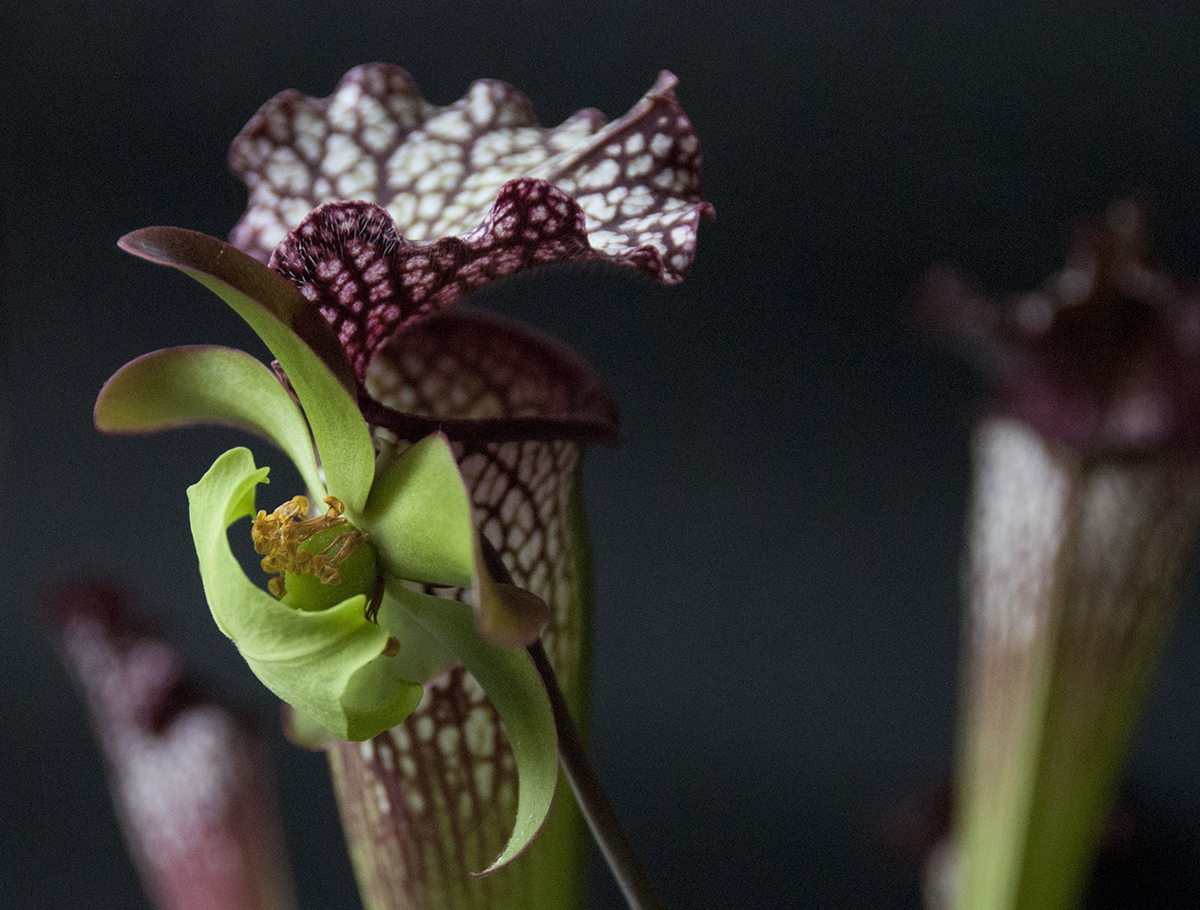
x: 278, y: 536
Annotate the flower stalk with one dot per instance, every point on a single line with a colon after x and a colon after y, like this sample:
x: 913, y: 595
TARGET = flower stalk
x: 623, y: 861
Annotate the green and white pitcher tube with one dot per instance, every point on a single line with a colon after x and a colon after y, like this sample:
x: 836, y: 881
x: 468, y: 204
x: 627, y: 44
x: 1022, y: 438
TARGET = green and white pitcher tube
x: 1081, y: 536
x: 430, y: 802
x: 1077, y: 565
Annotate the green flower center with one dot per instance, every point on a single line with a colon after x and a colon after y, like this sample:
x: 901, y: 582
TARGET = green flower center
x: 318, y: 561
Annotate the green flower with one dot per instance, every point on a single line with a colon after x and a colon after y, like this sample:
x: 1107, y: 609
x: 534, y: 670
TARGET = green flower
x: 351, y: 641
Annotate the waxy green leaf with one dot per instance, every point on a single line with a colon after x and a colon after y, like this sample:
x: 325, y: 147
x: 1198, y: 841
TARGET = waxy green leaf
x: 206, y: 384
x: 329, y: 664
x: 295, y: 334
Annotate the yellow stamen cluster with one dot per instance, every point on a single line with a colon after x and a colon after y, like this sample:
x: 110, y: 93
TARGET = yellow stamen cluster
x: 278, y: 536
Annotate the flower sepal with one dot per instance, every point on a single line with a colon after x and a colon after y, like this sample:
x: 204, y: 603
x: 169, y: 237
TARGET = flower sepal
x: 331, y: 664
x: 355, y: 676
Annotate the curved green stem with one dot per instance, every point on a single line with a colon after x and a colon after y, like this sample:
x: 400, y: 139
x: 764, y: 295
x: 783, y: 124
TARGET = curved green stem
x: 598, y: 812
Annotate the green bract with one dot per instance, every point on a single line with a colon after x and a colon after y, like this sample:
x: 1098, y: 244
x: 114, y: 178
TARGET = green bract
x: 351, y: 670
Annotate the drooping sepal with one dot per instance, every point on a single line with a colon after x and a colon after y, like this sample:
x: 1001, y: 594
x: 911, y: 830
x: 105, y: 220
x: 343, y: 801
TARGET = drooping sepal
x: 206, y: 384
x: 511, y: 682
x: 508, y: 615
x: 419, y: 516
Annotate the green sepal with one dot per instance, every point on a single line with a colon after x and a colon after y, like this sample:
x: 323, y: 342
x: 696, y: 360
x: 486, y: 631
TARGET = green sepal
x: 419, y: 517
x: 206, y: 384
x: 290, y: 327
x: 516, y: 690
x: 328, y: 664
x: 422, y: 656
x: 506, y: 615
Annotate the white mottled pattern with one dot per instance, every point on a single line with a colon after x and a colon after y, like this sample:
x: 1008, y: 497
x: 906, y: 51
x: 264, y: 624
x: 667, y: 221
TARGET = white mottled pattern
x: 438, y: 170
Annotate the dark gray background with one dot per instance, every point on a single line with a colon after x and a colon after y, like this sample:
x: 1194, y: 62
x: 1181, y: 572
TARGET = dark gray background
x: 776, y: 541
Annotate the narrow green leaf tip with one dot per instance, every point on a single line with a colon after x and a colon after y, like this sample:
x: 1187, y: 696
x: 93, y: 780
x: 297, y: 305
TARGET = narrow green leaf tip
x: 515, y: 688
